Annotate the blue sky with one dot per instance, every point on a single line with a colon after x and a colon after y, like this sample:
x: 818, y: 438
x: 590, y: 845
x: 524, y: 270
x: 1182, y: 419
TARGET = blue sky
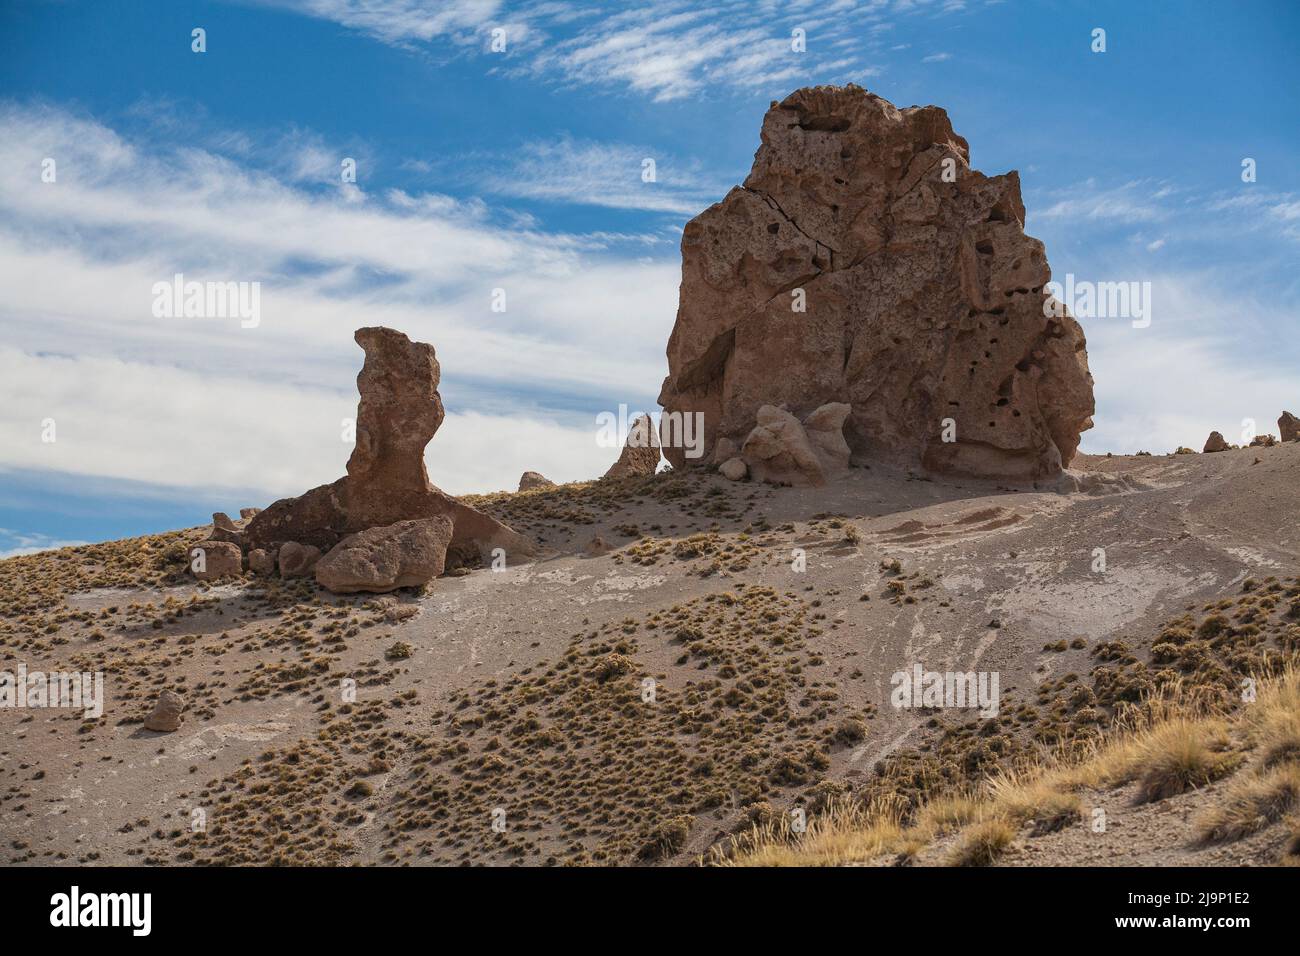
x: 521, y: 170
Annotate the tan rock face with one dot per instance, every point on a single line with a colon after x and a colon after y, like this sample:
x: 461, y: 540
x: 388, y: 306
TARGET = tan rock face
x: 923, y: 299
x: 531, y: 479
x: 211, y: 560
x: 166, y: 715
x: 261, y: 562
x: 399, y: 412
x: 1288, y: 427
x: 640, y: 454
x: 401, y: 555
x: 1215, y: 442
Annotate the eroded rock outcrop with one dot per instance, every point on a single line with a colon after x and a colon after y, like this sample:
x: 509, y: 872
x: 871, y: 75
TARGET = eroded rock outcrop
x: 1288, y: 427
x: 640, y: 454
x: 784, y: 450
x: 387, y: 482
x: 533, y: 479
x: 1216, y: 442
x: 922, y: 298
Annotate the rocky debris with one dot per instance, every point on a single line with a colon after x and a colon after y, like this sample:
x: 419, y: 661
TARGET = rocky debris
x: 1263, y: 441
x: 387, y: 482
x: 782, y: 450
x: 247, y: 513
x: 1184, y: 450
x: 297, y: 560
x: 532, y: 479
x: 211, y: 559
x: 262, y: 562
x: 402, y: 555
x: 1216, y: 442
x: 166, y: 715
x: 922, y: 298
x: 640, y: 454
x: 1288, y: 427
x: 734, y: 469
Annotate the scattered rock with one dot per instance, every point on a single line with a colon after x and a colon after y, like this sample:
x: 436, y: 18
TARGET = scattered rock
x: 297, y: 560
x: 1184, y: 450
x: 387, y: 482
x: 640, y: 454
x: 1288, y: 427
x: 531, y: 479
x: 166, y: 715
x: 734, y: 469
x: 261, y: 561
x: 1263, y: 441
x: 211, y: 559
x: 923, y: 299
x: 1215, y: 442
x: 402, y: 555
x: 247, y: 513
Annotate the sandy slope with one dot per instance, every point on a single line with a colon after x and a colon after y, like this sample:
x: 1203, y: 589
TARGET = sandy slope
x: 271, y: 754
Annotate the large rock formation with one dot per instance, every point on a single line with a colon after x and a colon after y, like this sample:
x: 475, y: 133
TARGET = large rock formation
x: 923, y: 299
x: 1216, y: 442
x: 399, y: 412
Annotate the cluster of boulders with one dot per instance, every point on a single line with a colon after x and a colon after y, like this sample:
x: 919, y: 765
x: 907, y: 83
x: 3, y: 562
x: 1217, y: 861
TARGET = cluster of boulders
x: 783, y: 450
x: 1288, y: 427
x: 865, y: 264
x: 384, y: 525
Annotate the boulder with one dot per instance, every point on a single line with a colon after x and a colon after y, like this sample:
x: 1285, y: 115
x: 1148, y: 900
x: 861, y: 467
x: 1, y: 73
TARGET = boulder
x: 297, y: 560
x: 247, y: 513
x: 1215, y: 442
x: 531, y: 479
x: 1263, y: 441
x: 640, y: 454
x: 865, y: 263
x: 783, y: 450
x: 378, y: 560
x: 261, y: 562
x: 210, y: 560
x: 734, y: 469
x: 166, y: 715
x: 1288, y: 427
x: 387, y: 482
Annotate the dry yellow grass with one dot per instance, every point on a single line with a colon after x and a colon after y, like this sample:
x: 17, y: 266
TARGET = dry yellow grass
x: 1168, y: 744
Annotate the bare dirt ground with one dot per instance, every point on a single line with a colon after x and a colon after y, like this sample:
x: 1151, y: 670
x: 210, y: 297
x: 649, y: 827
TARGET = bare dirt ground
x: 722, y: 653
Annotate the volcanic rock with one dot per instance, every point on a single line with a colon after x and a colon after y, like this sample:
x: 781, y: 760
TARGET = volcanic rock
x: 1215, y: 442
x: 211, y: 559
x: 640, y: 454
x: 297, y: 560
x: 531, y: 479
x: 1288, y: 427
x: 166, y: 715
x: 401, y: 555
x: 864, y: 262
x: 1263, y: 441
x: 387, y: 482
